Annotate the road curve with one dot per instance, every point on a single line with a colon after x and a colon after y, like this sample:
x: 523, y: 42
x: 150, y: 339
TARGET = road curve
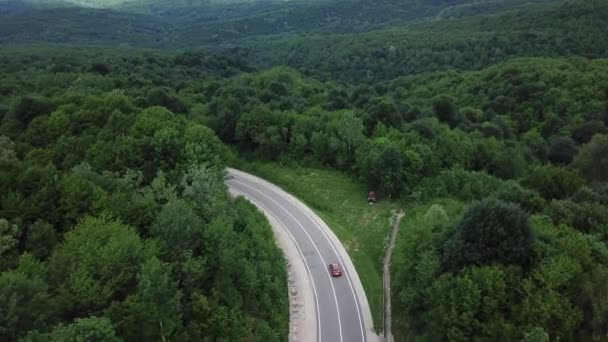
x: 340, y: 306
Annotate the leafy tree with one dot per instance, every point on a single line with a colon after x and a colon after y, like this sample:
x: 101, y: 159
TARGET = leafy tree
x: 204, y: 186
x: 508, y: 163
x: 41, y: 239
x: 536, y: 334
x: 157, y: 288
x: 98, y: 261
x: 163, y: 97
x: 382, y: 110
x: 178, y: 226
x: 346, y: 136
x: 553, y: 182
x: 25, y: 303
x: 585, y: 132
x: 202, y: 145
x: 490, y: 232
x: 469, y: 306
x: 445, y: 110
x: 591, y: 160
x: 590, y: 218
x: 27, y: 107
x: 9, y: 238
x: 562, y: 150
x: 527, y: 199
x: 547, y: 308
x: 93, y: 329
x: 385, y: 166
x: 7, y: 149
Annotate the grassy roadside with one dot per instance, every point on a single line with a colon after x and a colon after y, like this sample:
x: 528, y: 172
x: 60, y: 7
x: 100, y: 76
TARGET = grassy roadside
x: 342, y: 202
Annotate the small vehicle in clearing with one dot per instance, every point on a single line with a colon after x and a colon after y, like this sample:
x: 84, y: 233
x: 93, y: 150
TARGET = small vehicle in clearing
x: 371, y: 197
x: 335, y: 270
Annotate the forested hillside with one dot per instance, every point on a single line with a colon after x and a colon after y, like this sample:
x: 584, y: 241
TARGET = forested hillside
x: 218, y: 24
x: 578, y: 28
x: 115, y: 223
x: 487, y: 121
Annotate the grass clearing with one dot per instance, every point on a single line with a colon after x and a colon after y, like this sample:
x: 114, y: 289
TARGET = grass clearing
x: 342, y: 203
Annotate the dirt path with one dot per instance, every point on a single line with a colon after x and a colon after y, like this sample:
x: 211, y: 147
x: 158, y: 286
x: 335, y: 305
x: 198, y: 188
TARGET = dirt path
x: 388, y: 334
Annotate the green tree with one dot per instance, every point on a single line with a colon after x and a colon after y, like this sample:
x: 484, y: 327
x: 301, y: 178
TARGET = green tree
x: 7, y: 149
x: 383, y: 165
x: 592, y: 160
x: 562, y: 150
x: 346, y: 136
x: 9, y: 239
x: 204, y: 186
x: 25, y: 303
x: 202, y: 145
x: 98, y: 261
x: 27, y: 107
x: 471, y: 306
x: 445, y: 110
x: 536, y: 335
x: 490, y: 232
x: 91, y: 329
x: 552, y: 182
x: 41, y: 239
x: 178, y: 226
x: 157, y: 288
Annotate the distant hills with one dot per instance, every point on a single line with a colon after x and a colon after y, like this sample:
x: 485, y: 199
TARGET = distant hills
x: 134, y: 4
x: 217, y: 23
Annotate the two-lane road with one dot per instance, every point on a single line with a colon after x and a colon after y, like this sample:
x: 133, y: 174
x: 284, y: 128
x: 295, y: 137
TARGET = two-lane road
x: 341, y: 314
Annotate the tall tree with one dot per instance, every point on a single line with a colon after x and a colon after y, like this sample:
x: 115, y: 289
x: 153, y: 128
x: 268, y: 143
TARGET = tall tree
x: 97, y: 262
x: 490, y: 232
x: 592, y: 159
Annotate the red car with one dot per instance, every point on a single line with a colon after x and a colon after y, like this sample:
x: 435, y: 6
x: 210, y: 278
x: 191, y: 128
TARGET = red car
x: 335, y: 270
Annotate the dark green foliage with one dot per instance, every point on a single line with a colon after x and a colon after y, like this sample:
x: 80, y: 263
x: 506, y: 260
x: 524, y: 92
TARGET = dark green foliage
x: 29, y: 107
x: 585, y: 131
x: 445, y: 110
x: 94, y: 329
x: 553, y: 182
x: 115, y: 222
x: 114, y: 216
x: 388, y: 167
x: 41, y: 239
x: 591, y: 160
x: 469, y: 43
x: 588, y: 217
x: 105, y: 256
x: 25, y: 303
x: 562, y: 150
x: 490, y: 232
x: 178, y: 226
x: 462, y: 184
x: 470, y: 303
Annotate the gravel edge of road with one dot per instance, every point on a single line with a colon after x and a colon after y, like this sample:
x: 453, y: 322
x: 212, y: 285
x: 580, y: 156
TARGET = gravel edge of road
x: 302, y: 307
x: 358, y: 286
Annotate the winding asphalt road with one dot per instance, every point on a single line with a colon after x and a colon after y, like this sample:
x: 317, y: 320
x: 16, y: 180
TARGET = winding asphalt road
x: 342, y: 315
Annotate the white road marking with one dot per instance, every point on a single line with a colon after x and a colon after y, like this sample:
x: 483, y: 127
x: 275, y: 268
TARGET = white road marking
x: 314, y: 288
x: 314, y: 245
x: 281, y: 192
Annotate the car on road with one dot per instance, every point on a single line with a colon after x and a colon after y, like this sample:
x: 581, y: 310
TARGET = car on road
x: 335, y: 270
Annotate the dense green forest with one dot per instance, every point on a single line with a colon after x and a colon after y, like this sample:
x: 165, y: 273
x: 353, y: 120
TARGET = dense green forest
x: 220, y: 24
x: 487, y: 121
x: 577, y: 28
x: 115, y: 222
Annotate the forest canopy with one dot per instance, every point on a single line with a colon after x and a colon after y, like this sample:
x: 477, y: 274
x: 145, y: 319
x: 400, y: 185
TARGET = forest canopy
x: 488, y: 122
